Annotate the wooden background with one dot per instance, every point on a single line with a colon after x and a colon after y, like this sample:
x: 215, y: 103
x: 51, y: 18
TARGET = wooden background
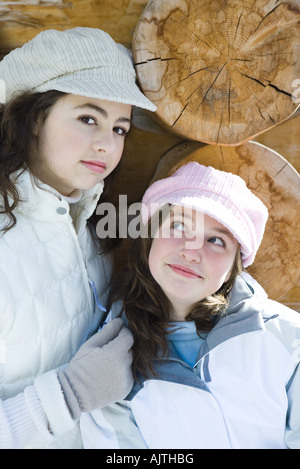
x: 22, y: 20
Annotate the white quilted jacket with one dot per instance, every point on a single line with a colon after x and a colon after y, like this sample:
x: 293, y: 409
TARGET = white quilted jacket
x: 47, y: 307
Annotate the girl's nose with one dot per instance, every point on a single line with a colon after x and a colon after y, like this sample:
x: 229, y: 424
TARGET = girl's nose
x: 191, y: 254
x: 104, y: 142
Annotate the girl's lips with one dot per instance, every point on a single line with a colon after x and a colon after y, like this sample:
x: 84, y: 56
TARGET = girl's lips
x: 184, y: 271
x: 95, y: 166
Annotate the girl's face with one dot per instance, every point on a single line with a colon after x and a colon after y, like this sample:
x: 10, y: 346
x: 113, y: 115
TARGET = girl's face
x: 81, y: 142
x: 190, y: 258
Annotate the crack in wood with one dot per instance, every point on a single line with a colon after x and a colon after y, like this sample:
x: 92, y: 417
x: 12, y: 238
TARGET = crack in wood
x: 260, y: 112
x: 268, y: 84
x: 261, y: 102
x: 180, y: 114
x: 271, y: 119
x: 189, y: 97
x: 283, y: 167
x: 221, y: 150
x: 219, y: 129
x: 240, y: 60
x: 254, y: 79
x: 155, y: 58
x: 279, y: 90
x: 210, y: 87
x: 238, y: 24
x: 265, y: 17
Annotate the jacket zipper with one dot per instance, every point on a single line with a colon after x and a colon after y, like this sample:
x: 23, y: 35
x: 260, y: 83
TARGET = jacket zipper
x: 95, y: 294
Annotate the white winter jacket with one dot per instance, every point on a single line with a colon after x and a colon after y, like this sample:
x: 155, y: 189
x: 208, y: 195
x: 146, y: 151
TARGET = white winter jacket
x: 47, y: 310
x: 242, y: 393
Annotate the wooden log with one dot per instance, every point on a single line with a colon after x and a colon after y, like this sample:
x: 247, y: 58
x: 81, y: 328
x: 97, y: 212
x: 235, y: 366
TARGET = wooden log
x: 20, y: 21
x: 285, y: 139
x: 277, y: 184
x: 220, y: 72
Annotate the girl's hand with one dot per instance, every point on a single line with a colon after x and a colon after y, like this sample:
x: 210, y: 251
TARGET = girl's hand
x: 100, y: 373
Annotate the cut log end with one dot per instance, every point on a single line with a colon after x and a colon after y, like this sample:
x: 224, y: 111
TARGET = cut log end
x: 219, y: 72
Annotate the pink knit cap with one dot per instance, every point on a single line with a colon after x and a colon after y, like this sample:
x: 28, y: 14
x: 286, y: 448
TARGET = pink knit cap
x: 220, y: 195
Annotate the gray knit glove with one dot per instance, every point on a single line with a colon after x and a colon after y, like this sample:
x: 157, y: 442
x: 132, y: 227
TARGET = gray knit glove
x: 100, y: 373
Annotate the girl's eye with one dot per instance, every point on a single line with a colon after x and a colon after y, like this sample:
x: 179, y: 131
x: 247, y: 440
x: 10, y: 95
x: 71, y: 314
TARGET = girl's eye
x: 178, y: 226
x: 217, y: 241
x: 181, y: 229
x: 120, y: 131
x: 88, y: 120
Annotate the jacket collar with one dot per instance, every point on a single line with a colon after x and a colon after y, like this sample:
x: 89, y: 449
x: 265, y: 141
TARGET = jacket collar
x: 244, y: 314
x: 42, y: 201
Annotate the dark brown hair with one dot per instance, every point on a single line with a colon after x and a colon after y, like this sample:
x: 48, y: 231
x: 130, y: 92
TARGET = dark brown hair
x: 148, y: 310
x: 18, y: 143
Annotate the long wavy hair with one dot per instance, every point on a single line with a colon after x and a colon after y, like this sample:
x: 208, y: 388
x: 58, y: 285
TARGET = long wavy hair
x: 148, y: 310
x: 18, y: 142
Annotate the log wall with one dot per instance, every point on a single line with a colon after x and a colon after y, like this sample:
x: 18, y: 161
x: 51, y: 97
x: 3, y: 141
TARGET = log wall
x: 22, y: 20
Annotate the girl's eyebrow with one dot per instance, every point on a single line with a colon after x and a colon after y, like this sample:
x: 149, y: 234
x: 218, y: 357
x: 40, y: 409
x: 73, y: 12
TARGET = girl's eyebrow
x: 223, y: 231
x: 181, y: 213
x: 102, y: 111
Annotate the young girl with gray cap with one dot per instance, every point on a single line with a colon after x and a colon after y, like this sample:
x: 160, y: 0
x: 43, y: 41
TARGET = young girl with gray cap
x: 216, y: 364
x: 67, y: 98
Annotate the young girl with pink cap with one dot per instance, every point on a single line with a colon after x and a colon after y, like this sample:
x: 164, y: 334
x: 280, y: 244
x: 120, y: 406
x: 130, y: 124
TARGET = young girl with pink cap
x: 216, y: 365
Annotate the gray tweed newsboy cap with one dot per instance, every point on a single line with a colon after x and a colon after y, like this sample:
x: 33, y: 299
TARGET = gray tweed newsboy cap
x: 81, y: 61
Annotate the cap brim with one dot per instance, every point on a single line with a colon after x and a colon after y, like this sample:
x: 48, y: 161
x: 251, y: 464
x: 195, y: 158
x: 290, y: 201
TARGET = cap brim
x: 126, y: 93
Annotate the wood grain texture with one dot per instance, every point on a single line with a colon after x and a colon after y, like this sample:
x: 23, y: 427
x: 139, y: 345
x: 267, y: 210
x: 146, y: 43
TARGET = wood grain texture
x: 277, y: 184
x: 285, y: 139
x: 220, y: 72
x: 21, y: 20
